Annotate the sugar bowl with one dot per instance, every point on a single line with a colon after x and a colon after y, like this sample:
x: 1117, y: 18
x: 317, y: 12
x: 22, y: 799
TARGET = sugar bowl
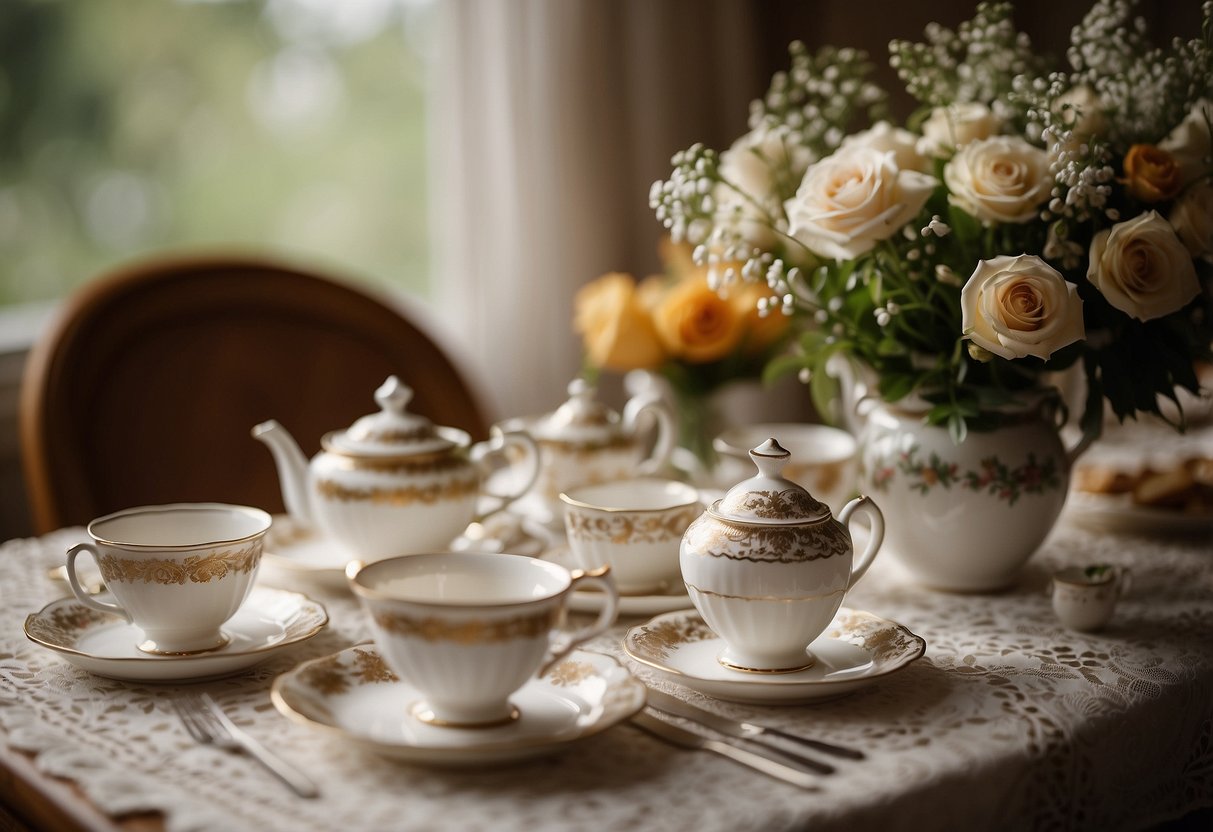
x: 393, y: 483
x: 767, y: 566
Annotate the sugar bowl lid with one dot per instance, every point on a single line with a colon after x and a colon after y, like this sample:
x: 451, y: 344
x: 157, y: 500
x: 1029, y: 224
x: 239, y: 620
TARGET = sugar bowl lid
x: 393, y: 431
x: 770, y: 498
x: 582, y: 418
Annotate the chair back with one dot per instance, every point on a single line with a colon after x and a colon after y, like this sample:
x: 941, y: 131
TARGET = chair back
x: 145, y: 388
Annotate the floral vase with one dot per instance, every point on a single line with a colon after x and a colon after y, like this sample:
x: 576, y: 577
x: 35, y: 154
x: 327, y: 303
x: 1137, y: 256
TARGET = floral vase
x: 967, y: 517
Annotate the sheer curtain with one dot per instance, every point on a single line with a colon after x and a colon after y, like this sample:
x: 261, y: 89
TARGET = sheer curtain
x: 550, y: 120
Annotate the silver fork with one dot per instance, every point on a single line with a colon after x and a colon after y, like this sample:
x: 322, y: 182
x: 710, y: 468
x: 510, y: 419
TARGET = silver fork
x: 208, y: 724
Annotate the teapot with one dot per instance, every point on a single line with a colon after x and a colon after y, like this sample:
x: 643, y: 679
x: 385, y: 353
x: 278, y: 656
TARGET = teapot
x: 584, y: 442
x: 768, y: 566
x: 393, y: 483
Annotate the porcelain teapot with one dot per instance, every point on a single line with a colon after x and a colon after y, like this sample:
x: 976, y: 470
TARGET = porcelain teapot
x: 584, y: 442
x: 393, y: 483
x: 767, y: 566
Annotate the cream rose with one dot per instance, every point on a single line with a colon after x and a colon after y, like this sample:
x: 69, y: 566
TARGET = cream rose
x: 1142, y: 268
x: 950, y: 128
x: 1190, y: 143
x: 1192, y: 218
x: 1082, y: 109
x: 886, y: 138
x: 615, y: 327
x: 755, y: 164
x: 1003, y: 179
x: 1019, y: 306
x: 852, y: 200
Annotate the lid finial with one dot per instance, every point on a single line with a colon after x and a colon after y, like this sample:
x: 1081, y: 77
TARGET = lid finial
x: 393, y: 396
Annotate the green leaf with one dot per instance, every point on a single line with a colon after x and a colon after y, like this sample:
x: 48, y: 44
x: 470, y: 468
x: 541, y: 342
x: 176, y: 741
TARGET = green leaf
x: 896, y: 386
x: 782, y: 365
x: 824, y: 390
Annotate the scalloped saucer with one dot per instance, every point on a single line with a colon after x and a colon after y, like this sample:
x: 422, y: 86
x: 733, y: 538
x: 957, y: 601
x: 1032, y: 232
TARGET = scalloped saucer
x: 104, y: 644
x: 857, y: 649
x: 355, y: 696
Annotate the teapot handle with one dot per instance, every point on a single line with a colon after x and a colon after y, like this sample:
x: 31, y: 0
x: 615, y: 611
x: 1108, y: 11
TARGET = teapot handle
x: 875, y: 538
x: 666, y: 430
x: 497, y: 444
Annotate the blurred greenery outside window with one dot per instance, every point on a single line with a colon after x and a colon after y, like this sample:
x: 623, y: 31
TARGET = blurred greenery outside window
x: 130, y: 127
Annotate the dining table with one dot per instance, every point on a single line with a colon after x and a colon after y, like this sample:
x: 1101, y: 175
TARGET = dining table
x: 1009, y: 720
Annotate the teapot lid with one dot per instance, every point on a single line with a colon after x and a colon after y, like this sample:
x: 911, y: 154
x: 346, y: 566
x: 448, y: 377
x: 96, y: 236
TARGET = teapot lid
x: 393, y: 431
x: 580, y: 419
x: 769, y: 498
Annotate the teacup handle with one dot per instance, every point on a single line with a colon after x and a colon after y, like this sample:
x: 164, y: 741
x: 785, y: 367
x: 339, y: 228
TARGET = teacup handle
x: 666, y: 433
x: 82, y: 595
x: 601, y: 578
x: 497, y: 444
x: 868, y: 507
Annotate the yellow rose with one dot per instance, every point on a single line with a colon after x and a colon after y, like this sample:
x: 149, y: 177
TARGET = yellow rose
x: 696, y: 324
x: 760, y: 332
x: 617, y: 331
x: 1151, y: 174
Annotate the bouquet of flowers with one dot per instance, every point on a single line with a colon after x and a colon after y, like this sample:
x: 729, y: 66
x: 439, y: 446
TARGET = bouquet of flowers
x: 697, y: 336
x: 1021, y: 222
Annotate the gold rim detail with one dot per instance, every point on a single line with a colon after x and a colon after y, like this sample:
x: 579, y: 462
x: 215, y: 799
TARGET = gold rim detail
x: 629, y: 528
x: 468, y: 632
x: 198, y: 569
x: 715, y: 538
x: 406, y: 496
x: 424, y: 712
x: 774, y: 671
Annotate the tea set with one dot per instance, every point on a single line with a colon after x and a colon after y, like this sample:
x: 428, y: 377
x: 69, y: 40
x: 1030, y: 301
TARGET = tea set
x: 466, y: 585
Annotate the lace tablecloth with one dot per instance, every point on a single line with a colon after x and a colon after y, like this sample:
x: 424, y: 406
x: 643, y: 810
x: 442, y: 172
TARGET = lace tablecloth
x: 1009, y: 721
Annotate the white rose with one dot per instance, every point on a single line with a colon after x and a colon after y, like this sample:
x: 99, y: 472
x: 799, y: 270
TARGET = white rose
x: 852, y: 200
x: 952, y: 127
x: 1084, y: 110
x: 1002, y: 179
x: 1190, y: 143
x: 1018, y: 306
x: 1192, y: 218
x: 1142, y: 268
x: 756, y: 164
x: 885, y: 137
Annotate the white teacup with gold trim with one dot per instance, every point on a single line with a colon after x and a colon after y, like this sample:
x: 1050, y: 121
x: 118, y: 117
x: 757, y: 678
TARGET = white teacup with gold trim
x: 635, y: 526
x: 469, y: 629
x: 177, y: 572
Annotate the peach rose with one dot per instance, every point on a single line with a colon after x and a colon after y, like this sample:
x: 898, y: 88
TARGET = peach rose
x: 760, y: 332
x: 1142, y: 268
x: 1151, y: 174
x: 695, y: 323
x: 1018, y: 306
x: 617, y: 331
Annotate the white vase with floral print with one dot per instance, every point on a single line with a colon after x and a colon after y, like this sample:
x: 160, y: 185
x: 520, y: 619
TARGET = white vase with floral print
x: 965, y: 517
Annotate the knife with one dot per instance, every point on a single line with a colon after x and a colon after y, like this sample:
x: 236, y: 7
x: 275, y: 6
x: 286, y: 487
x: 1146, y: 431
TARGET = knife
x: 743, y: 730
x: 658, y: 727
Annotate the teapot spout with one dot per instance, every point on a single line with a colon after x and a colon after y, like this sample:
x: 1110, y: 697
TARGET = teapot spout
x: 292, y: 468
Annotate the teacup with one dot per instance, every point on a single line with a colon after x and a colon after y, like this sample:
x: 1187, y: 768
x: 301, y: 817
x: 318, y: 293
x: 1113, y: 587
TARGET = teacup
x: 1085, y: 597
x: 825, y: 460
x: 177, y: 572
x: 469, y: 629
x: 635, y: 526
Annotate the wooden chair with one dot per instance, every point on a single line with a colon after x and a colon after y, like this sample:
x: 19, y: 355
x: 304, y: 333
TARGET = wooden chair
x: 146, y: 387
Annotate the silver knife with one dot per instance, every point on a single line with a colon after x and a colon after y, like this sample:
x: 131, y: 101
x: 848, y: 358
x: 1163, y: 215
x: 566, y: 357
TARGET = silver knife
x: 658, y: 727
x: 743, y: 730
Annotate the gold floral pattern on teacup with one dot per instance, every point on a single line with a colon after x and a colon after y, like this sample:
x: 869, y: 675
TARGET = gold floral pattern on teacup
x: 716, y: 538
x: 198, y: 569
x: 404, y: 496
x: 627, y: 527
x: 476, y: 631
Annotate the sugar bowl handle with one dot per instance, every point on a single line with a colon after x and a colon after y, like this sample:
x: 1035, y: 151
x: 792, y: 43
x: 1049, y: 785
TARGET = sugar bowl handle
x: 875, y: 537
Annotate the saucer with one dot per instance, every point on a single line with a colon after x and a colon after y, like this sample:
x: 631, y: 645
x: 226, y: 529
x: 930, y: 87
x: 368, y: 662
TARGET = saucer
x: 296, y: 553
x: 354, y: 695
x: 1118, y: 513
x: 673, y: 598
x: 857, y: 649
x: 104, y: 644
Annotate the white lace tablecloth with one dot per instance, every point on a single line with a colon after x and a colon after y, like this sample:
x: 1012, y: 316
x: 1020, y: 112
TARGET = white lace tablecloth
x: 1009, y: 721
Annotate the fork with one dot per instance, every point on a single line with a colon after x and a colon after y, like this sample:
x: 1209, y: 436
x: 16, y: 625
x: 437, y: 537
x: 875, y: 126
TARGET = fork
x: 209, y: 725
